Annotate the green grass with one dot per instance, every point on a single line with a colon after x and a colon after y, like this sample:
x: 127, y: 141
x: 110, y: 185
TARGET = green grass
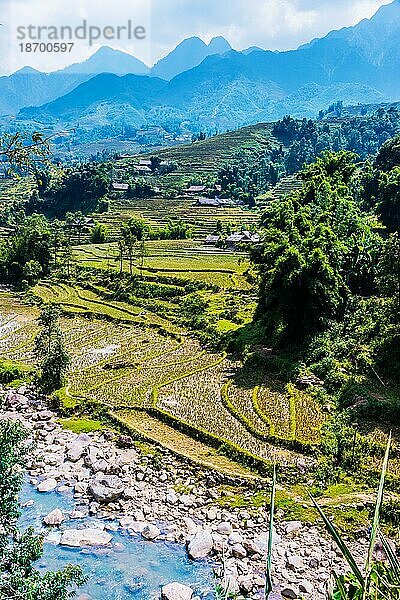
x: 292, y: 504
x: 65, y: 401
x: 147, y: 449
x: 82, y: 425
x: 11, y: 371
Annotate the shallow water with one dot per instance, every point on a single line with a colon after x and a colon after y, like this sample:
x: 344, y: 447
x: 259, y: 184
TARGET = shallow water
x: 131, y: 569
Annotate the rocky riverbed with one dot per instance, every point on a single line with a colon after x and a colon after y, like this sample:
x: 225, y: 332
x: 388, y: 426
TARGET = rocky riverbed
x: 159, y: 497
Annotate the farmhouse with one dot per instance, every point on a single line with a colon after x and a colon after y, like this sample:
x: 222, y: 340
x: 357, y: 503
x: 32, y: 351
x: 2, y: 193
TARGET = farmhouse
x: 143, y: 169
x: 242, y: 237
x: 226, y: 202
x: 218, y: 202
x: 196, y: 189
x: 211, y: 240
x: 208, y: 202
x: 120, y: 187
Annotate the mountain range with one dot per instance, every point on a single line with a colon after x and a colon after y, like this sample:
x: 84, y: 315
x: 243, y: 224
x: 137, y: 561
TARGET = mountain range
x: 28, y: 87
x: 214, y: 85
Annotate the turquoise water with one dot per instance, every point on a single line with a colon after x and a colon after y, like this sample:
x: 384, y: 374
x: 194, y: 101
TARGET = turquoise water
x: 131, y: 569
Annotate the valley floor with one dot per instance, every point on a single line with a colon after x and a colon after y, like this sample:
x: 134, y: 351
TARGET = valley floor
x: 146, y: 493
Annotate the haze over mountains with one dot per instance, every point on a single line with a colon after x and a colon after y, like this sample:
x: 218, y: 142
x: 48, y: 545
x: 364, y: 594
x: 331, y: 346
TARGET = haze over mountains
x: 215, y: 85
x: 28, y: 87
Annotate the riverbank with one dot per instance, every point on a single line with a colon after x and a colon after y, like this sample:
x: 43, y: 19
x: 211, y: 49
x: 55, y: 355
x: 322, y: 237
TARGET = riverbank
x: 155, y: 496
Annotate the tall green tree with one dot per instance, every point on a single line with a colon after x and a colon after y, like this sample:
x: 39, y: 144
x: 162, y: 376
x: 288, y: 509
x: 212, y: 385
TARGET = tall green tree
x: 389, y: 199
x: 317, y: 248
x: 50, y: 350
x: 31, y: 242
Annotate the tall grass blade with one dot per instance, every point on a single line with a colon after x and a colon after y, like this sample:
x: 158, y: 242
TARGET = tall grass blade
x: 340, y: 587
x: 393, y: 560
x: 378, y: 506
x: 268, y: 581
x: 340, y: 543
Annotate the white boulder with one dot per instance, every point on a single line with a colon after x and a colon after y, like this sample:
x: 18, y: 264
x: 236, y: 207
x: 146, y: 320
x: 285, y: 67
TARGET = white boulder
x: 48, y: 485
x: 176, y: 591
x: 150, y: 532
x: 200, y: 545
x: 56, y: 517
x: 76, y: 538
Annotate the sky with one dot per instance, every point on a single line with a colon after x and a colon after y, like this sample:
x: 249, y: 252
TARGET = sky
x: 269, y: 24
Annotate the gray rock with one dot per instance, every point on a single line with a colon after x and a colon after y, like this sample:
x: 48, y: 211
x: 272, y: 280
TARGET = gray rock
x: 238, y: 551
x: 137, y: 526
x: 186, y: 500
x: 100, y: 465
x: 212, y: 514
x: 127, y: 458
x: 76, y: 538
x: 224, y: 528
x: 130, y: 493
x: 150, y: 532
x: 106, y: 488
x: 293, y: 527
x: 171, y: 497
x: 190, y: 525
x: 176, y: 591
x: 48, y: 485
x: 78, y: 514
x: 200, y: 545
x: 75, y: 452
x: 246, y: 583
x: 294, y: 562
x: 235, y: 538
x: 54, y: 518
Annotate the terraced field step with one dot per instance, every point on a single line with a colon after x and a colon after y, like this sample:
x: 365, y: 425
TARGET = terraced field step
x: 76, y: 299
x: 181, y: 444
x: 157, y: 212
x: 182, y: 260
x: 284, y: 187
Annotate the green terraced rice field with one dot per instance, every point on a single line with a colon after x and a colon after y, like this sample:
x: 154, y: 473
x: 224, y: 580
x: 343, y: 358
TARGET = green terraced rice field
x: 185, y: 260
x: 155, y: 382
x: 205, y: 158
x: 157, y: 212
x: 81, y: 301
x: 124, y: 365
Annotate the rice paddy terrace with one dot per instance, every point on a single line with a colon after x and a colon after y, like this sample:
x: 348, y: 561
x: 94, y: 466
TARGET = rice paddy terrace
x: 205, y: 158
x: 186, y: 260
x: 170, y: 271
x: 156, y: 380
x: 158, y: 211
x: 161, y: 383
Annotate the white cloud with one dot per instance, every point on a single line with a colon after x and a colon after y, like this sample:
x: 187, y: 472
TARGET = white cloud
x: 364, y: 9
x: 271, y: 24
x: 71, y: 13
